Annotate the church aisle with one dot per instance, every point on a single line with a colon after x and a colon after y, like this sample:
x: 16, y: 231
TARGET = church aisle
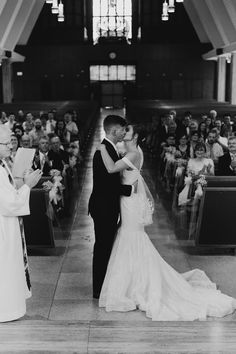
x: 62, y: 316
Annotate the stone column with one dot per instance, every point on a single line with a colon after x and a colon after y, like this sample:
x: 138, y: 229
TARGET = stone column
x: 221, y: 79
x: 7, y: 87
x: 232, y: 97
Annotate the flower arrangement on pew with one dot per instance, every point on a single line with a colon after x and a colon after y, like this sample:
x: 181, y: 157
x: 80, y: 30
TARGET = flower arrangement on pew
x: 199, y: 181
x: 181, y: 164
x: 170, y: 153
x: 55, y: 189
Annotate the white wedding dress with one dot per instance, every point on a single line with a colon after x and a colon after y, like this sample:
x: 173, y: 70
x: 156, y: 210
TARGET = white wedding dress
x: 138, y: 277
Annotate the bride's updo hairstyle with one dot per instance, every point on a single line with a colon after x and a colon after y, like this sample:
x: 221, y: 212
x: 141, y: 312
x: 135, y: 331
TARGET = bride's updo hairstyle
x: 141, y: 131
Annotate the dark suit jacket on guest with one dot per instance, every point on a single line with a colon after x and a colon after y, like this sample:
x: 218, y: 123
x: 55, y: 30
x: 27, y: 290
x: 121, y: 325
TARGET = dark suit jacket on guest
x: 58, y: 159
x: 37, y: 164
x: 224, y: 166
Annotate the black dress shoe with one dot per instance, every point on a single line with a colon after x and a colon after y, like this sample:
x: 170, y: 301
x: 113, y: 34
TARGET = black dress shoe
x: 96, y: 296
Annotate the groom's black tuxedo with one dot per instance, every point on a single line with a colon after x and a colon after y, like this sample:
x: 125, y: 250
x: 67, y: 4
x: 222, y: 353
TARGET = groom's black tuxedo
x: 104, y: 207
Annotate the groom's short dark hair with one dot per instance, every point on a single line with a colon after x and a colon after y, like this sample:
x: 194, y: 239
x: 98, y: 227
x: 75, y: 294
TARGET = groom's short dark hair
x: 112, y: 120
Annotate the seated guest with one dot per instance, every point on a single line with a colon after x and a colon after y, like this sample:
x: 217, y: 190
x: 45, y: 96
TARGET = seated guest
x: 61, y: 132
x: 3, y: 117
x: 202, y: 131
x: 20, y: 116
x: 163, y: 129
x: 193, y: 126
x: 30, y: 119
x: 43, y: 119
x: 203, y: 117
x: 183, y: 148
x: 36, y: 133
x: 213, y: 116
x: 183, y: 126
x: 25, y: 141
x: 11, y: 121
x: 42, y: 158
x: 28, y: 128
x: 221, y: 139
x: 227, y: 128
x: 213, y: 148
x: 172, y: 127
x: 200, y: 165
x: 218, y: 124
x: 15, y: 145
x: 50, y: 123
x: 194, y: 139
x: 227, y: 162
x: 58, y: 156
x: 209, y: 124
x: 18, y: 131
x: 71, y: 127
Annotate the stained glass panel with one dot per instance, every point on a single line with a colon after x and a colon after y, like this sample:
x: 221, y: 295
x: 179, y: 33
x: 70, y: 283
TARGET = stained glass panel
x: 112, y: 18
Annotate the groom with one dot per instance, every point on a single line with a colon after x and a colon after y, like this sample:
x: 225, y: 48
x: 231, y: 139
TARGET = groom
x: 104, y: 203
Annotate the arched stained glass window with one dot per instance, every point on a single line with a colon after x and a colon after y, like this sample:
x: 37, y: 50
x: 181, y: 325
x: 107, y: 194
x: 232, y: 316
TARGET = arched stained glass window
x: 112, y: 18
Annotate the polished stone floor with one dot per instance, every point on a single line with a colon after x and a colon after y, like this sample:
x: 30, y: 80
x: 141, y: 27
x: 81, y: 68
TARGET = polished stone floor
x: 62, y: 309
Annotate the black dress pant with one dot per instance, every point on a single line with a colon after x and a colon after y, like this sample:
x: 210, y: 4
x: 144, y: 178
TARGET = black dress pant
x: 105, y: 227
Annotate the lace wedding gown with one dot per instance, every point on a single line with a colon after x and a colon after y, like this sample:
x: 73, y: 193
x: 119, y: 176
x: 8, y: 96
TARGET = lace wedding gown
x: 138, y: 277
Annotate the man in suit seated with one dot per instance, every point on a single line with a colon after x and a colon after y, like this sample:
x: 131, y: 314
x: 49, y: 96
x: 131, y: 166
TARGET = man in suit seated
x: 42, y: 158
x: 58, y: 156
x: 227, y: 162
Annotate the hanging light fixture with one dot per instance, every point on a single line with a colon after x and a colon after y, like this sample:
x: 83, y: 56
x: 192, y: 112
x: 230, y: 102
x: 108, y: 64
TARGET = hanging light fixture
x: 165, y: 15
x: 85, y: 34
x: 168, y: 8
x: 55, y: 8
x: 171, y: 6
x: 139, y: 36
x: 49, y: 1
x: 60, y: 17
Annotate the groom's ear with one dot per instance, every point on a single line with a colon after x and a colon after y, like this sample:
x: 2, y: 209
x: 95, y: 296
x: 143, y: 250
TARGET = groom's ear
x: 113, y: 131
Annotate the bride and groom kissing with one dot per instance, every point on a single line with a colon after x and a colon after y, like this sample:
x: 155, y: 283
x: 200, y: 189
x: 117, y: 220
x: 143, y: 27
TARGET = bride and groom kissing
x: 128, y: 271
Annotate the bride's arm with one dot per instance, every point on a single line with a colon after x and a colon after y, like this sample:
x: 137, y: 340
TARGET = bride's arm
x: 111, y: 166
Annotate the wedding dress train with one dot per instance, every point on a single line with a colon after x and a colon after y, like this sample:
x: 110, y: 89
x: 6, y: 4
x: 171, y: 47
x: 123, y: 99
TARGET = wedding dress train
x: 139, y: 278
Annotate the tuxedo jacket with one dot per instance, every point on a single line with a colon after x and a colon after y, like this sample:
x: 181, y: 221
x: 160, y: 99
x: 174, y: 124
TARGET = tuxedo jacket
x: 107, y: 187
x: 224, y: 165
x: 37, y: 164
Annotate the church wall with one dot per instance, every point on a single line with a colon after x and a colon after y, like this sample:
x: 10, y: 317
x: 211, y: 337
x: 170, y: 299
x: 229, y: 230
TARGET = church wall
x: 164, y: 71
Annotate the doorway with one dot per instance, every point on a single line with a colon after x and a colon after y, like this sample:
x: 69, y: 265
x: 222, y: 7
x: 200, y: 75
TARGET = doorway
x: 112, y: 94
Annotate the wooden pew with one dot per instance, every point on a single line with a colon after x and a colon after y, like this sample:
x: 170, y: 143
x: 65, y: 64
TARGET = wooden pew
x: 217, y: 213
x: 38, y: 225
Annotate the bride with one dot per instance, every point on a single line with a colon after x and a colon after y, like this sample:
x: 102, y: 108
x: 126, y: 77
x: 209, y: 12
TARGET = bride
x: 137, y: 276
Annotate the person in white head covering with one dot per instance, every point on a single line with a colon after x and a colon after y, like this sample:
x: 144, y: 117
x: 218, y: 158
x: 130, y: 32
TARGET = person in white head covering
x: 14, y: 274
